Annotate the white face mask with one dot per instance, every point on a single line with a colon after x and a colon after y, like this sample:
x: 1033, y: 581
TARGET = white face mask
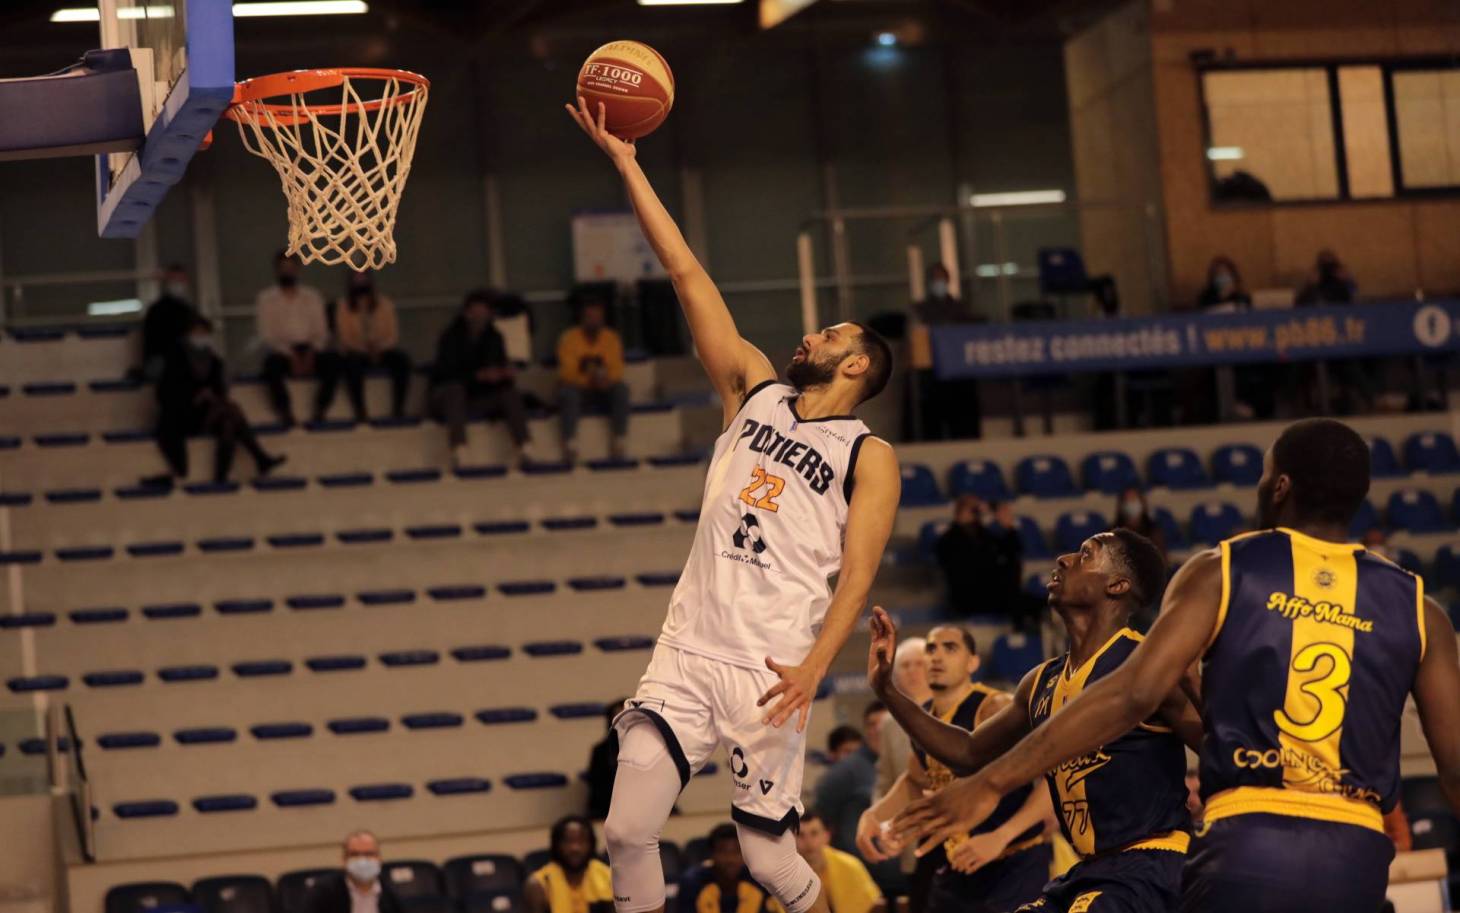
x: 938, y: 288
x: 363, y: 868
x: 1131, y: 509
x: 201, y: 342
x: 176, y: 289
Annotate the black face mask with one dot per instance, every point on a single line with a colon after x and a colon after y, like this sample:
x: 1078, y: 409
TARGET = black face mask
x: 287, y: 281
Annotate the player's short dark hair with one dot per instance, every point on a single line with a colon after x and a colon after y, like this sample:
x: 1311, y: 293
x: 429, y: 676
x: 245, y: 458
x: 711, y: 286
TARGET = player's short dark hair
x: 721, y: 833
x: 970, y: 643
x: 840, y: 736
x: 560, y: 831
x: 1140, y: 562
x: 873, y: 707
x: 487, y: 296
x: 879, y: 360
x: 1328, y: 463
x: 812, y: 814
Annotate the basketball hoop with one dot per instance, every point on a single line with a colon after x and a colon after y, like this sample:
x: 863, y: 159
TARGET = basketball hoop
x: 342, y: 157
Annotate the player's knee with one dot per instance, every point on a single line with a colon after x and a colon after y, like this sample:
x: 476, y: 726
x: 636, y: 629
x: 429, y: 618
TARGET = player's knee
x: 774, y: 864
x: 625, y: 833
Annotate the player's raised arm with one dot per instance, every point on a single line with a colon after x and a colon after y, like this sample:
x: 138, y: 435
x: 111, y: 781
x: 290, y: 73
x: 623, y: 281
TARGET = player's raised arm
x: 734, y: 365
x: 875, y: 493
x: 1437, y: 695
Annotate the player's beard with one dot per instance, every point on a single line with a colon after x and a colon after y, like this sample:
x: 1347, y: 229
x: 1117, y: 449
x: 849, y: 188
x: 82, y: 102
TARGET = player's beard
x: 805, y: 374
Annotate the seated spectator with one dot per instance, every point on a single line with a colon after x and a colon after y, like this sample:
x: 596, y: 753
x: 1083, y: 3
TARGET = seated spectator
x: 369, y: 337
x: 192, y: 398
x: 472, y: 378
x: 1329, y: 283
x: 357, y: 889
x: 573, y: 881
x: 1224, y: 291
x: 845, y: 881
x: 845, y: 790
x: 603, y: 764
x: 168, y: 319
x: 1132, y: 512
x: 1356, y: 379
x: 722, y: 884
x: 982, y: 559
x: 947, y: 409
x: 291, y: 324
x: 591, y: 377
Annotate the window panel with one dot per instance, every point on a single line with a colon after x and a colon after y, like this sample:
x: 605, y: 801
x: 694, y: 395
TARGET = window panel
x: 1427, y: 111
x: 1365, y: 132
x: 1275, y: 125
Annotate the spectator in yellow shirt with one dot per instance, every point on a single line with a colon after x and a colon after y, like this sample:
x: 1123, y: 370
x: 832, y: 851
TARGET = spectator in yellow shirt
x: 369, y: 337
x: 591, y: 377
x: 573, y: 881
x: 845, y: 880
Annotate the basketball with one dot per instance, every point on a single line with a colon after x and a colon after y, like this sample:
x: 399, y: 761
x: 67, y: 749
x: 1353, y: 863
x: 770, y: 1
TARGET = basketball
x: 633, y: 82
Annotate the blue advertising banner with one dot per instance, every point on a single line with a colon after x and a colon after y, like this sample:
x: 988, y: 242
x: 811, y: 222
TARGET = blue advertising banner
x: 1136, y: 343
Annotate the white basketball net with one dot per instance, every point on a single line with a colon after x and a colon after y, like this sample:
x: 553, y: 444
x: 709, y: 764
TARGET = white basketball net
x: 343, y: 169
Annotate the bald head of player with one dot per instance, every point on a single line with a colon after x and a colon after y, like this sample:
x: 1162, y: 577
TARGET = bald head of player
x: 849, y: 355
x: 1314, y: 478
x: 952, y: 658
x: 1120, y: 571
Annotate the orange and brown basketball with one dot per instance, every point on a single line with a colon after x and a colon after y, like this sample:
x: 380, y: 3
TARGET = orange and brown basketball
x: 634, y: 83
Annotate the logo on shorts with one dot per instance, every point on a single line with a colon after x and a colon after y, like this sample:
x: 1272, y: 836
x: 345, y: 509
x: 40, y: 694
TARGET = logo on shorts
x: 765, y: 787
x: 748, y: 536
x: 738, y: 767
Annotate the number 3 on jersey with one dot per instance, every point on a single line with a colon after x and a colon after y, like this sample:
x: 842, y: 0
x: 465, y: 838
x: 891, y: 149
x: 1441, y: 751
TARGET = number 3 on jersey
x: 1325, y: 690
x: 772, y: 487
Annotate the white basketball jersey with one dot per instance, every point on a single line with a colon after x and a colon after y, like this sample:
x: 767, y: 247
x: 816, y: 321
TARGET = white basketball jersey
x: 770, y: 534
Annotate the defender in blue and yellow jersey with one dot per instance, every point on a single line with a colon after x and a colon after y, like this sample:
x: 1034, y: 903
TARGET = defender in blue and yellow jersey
x: 1003, y: 862
x: 1309, y: 648
x: 1122, y: 806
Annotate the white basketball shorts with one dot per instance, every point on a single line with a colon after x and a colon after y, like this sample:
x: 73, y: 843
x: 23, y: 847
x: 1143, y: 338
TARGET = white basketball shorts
x: 699, y: 704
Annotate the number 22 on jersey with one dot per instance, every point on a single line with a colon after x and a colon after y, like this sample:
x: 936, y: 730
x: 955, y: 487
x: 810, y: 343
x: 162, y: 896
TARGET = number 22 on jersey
x: 763, y: 490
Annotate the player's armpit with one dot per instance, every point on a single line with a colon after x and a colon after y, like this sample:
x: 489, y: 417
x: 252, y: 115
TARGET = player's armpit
x: 1437, y: 696
x: 1178, y: 713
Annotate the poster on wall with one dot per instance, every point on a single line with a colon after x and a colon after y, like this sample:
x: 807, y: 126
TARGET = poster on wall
x: 608, y: 246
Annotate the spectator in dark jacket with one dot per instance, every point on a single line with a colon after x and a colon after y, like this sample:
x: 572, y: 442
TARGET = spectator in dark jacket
x: 1329, y: 283
x: 1224, y: 290
x: 472, y: 378
x: 982, y: 557
x: 359, y: 888
x: 1357, y: 379
x: 192, y: 398
x: 168, y: 320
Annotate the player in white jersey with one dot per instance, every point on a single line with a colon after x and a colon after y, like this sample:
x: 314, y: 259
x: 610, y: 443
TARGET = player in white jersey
x: 798, y: 491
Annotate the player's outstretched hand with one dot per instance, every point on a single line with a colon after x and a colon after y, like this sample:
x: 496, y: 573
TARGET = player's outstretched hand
x: 593, y: 126
x: 796, y: 690
x: 882, y: 652
x: 950, y: 812
x: 874, y: 839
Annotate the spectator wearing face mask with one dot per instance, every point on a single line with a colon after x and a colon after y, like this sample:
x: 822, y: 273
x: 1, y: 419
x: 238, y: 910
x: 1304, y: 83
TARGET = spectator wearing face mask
x: 192, y: 398
x: 291, y: 324
x: 946, y: 409
x: 1224, y: 292
x: 168, y: 319
x: 358, y: 888
x: 369, y: 337
x: 1132, y: 512
x: 982, y: 559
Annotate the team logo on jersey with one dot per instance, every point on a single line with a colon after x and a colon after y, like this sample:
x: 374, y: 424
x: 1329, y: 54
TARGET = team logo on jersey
x: 1324, y: 578
x: 748, y: 536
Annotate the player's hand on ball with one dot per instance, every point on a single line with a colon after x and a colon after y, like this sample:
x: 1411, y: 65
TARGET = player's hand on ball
x: 976, y: 852
x: 874, y: 839
x: 796, y: 690
x: 950, y: 812
x: 882, y: 652
x: 593, y: 126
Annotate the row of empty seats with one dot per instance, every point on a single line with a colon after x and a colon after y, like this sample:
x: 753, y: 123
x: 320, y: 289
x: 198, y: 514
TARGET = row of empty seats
x: 1177, y: 468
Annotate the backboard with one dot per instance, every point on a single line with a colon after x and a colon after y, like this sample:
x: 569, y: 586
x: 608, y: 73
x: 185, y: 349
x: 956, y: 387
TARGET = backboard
x: 183, y: 53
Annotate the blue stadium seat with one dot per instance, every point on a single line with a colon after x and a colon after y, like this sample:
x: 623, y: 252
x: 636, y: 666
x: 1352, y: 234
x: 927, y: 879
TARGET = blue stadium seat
x: 26, y: 684
x: 591, y: 584
x: 544, y: 648
x: 928, y: 535
x: 1177, y: 468
x: 484, y: 874
x: 432, y: 531
x: 586, y: 710
x: 1013, y: 655
x: 688, y: 515
x: 458, y: 786
x: 564, y: 524
x: 526, y: 587
x: 113, y: 678
x: 123, y: 740
x: 295, y: 798
x: 1074, y: 527
x: 1455, y: 507
x: 979, y: 477
x: 243, y: 606
x: 172, y: 610
x: 232, y: 893
x: 142, y: 492
x: 497, y: 902
x: 663, y: 578
x: 497, y: 716
x: 98, y: 616
x: 201, y: 672
x: 279, y: 483
x: 413, y: 878
x: 624, y: 643
x: 210, y: 488
x: 478, y: 653
x: 1365, y: 519
x: 413, y: 476
x: 1170, y: 528
x: 146, y: 897
x: 161, y: 549
x: 22, y: 556
x: 65, y: 439
x: 501, y: 527
x: 1237, y: 464
x: 646, y: 518
x: 295, y: 889
x: 479, y: 472
x: 128, y: 436
x: 386, y: 597
x: 1032, y: 539
x: 15, y: 498
x: 1432, y: 452
x: 536, y: 780
x: 226, y: 544
x: 37, y: 746
x: 205, y: 735
x: 86, y: 553
x: 436, y: 720
x: 1382, y: 462
x: 456, y: 592
x: 270, y: 731
x: 1045, y: 476
x: 399, y: 659
x: 1214, y: 521
x: 358, y: 725
x: 1109, y: 471
x: 306, y: 601
x: 73, y: 495
x: 381, y: 792
x: 339, y: 662
x: 364, y: 536
x: 226, y: 802
x: 1416, y: 511
x: 1446, y: 572
x: 28, y: 620
x: 146, y: 808
x: 919, y: 486
x: 609, y: 464
x: 295, y: 540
